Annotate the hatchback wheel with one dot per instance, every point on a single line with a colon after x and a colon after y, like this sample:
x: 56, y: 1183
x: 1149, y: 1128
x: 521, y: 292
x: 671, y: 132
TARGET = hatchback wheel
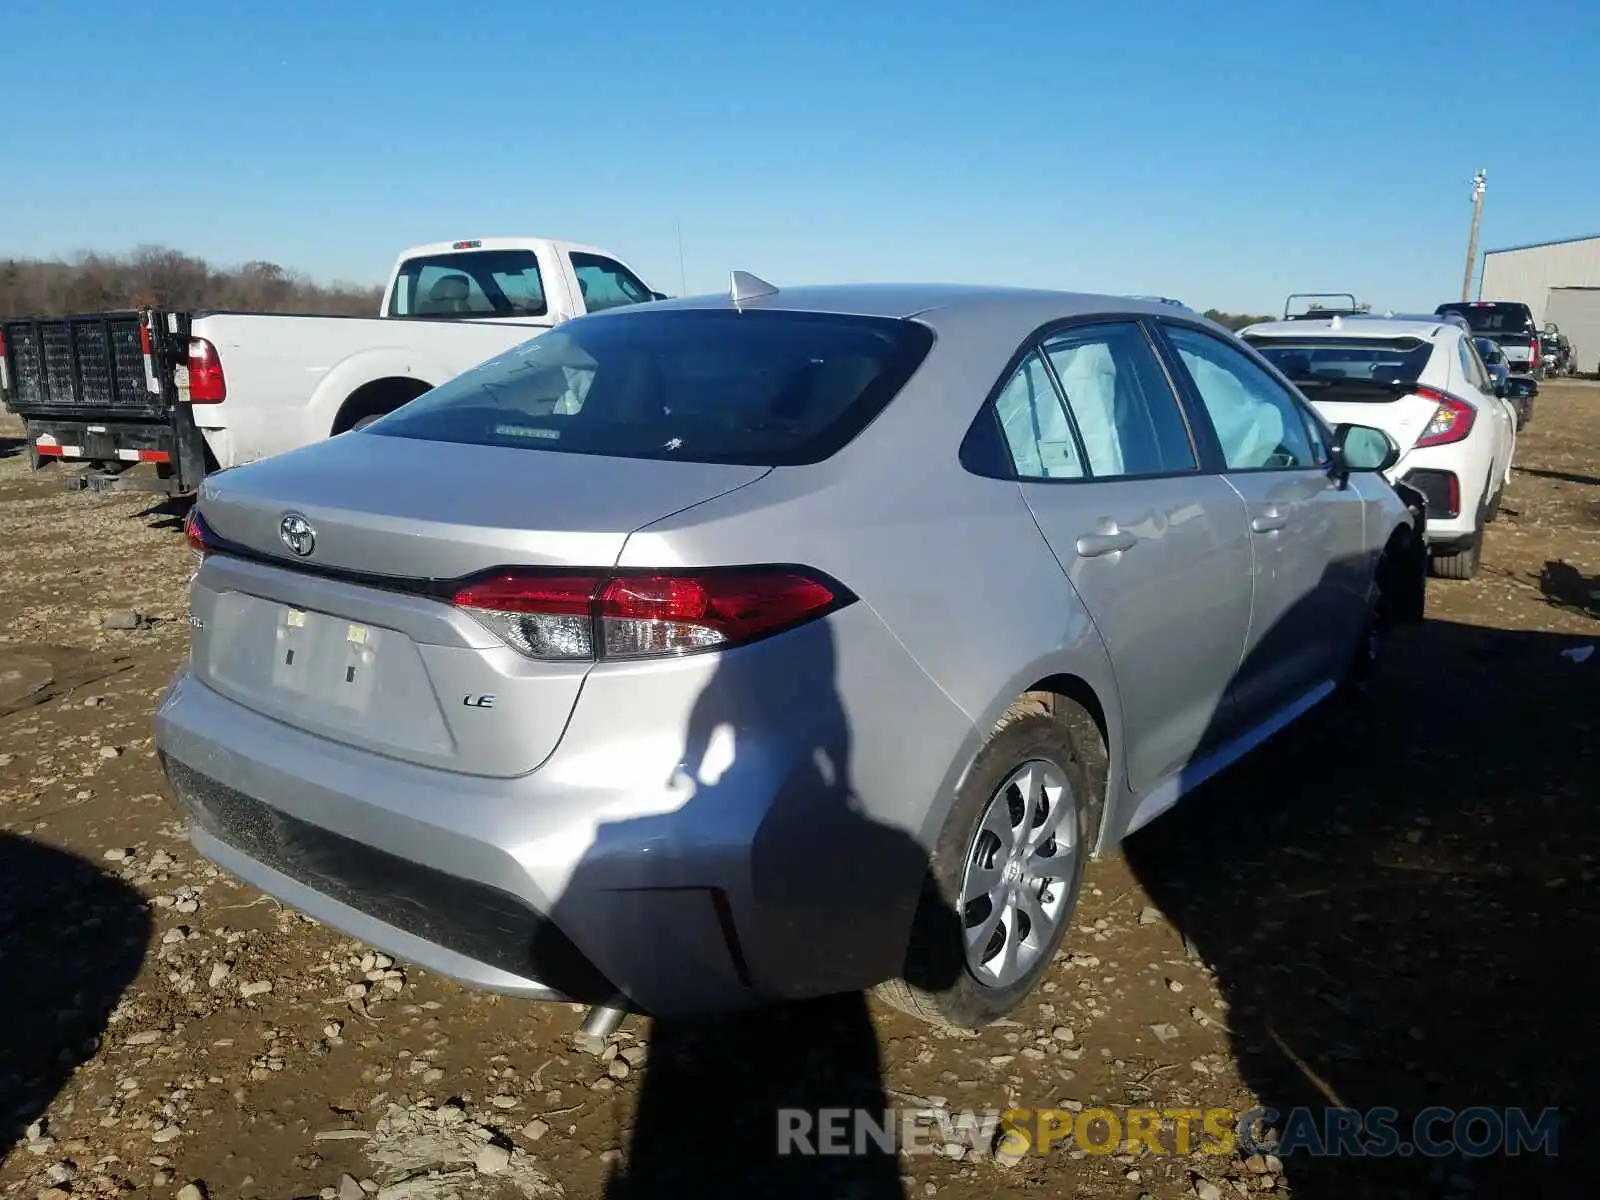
x: 1005, y: 873
x: 1463, y: 564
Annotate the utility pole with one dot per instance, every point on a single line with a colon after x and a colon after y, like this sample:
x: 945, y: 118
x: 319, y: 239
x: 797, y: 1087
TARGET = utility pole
x: 1478, y: 183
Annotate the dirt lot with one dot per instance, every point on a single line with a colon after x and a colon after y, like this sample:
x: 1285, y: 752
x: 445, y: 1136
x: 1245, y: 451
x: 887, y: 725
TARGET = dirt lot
x: 1391, y: 905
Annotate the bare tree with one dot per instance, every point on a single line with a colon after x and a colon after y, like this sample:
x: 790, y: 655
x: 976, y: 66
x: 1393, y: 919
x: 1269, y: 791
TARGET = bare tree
x: 158, y: 276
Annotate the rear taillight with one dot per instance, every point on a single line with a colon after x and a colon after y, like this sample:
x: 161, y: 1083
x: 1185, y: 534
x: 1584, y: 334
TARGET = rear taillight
x: 1533, y: 354
x: 196, y: 533
x: 1451, y: 420
x: 552, y: 615
x: 2, y: 343
x: 206, y: 382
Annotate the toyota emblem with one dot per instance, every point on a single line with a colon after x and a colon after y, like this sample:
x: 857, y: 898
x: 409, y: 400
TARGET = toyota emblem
x: 297, y: 534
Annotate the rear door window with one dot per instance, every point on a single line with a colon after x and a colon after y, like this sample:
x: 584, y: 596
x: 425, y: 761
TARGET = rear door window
x: 471, y: 284
x: 767, y: 388
x: 1119, y: 397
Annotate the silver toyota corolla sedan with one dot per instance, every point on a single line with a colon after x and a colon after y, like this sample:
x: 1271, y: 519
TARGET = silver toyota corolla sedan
x: 767, y: 645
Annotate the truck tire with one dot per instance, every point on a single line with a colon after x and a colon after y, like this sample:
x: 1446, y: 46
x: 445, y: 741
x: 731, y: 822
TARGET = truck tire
x: 1031, y: 752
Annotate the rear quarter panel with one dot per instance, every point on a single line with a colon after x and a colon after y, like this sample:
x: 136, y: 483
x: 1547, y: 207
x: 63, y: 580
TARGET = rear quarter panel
x: 952, y: 564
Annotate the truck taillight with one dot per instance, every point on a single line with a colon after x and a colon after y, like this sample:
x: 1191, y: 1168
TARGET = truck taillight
x: 2, y: 343
x: 1451, y: 420
x: 1533, y: 353
x: 207, y: 385
x: 582, y: 615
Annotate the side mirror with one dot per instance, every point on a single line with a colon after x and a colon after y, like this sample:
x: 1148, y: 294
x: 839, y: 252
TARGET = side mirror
x: 1363, y: 448
x: 1521, y: 388
x: 659, y: 296
x: 1502, y: 390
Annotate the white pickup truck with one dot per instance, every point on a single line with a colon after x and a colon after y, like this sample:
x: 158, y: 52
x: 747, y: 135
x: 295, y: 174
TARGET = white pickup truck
x: 202, y: 391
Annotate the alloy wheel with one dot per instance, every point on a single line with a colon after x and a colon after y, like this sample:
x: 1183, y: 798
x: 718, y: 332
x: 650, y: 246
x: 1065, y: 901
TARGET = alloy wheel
x: 1020, y: 872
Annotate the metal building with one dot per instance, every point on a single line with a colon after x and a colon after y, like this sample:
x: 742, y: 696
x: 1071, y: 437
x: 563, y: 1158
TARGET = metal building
x: 1528, y: 273
x: 1577, y: 311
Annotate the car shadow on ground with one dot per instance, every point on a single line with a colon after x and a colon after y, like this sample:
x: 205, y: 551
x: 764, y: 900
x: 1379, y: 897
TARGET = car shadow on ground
x: 715, y: 1093
x: 1562, y: 476
x: 1398, y: 900
x: 72, y: 938
x: 1564, y: 586
x: 166, y: 513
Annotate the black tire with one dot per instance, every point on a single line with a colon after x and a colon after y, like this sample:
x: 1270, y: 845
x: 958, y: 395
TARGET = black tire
x: 1461, y: 565
x: 938, y: 985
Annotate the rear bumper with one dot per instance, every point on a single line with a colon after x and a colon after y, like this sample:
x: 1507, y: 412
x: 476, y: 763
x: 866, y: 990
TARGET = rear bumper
x: 608, y: 871
x: 174, y: 446
x: 1452, y: 511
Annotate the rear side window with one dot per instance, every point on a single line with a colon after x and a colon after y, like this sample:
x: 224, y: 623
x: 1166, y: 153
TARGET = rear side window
x: 1474, y: 370
x: 1492, y: 316
x: 606, y: 283
x: 476, y: 283
x: 1035, y: 424
x: 769, y: 388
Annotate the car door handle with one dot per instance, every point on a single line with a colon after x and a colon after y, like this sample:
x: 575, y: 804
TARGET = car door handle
x: 1269, y: 521
x: 1093, y: 545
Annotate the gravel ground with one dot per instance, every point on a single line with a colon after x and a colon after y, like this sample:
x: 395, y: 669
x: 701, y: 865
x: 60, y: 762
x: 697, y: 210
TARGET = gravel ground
x: 1391, y: 905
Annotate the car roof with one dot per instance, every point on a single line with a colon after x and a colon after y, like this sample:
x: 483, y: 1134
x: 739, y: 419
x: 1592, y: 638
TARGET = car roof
x: 1364, y: 326
x: 921, y: 299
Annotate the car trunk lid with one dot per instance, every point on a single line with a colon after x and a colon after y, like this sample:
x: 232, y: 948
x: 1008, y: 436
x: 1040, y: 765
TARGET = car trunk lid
x: 357, y: 639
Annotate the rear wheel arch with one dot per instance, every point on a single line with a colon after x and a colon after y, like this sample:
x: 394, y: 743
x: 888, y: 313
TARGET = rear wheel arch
x: 375, y: 399
x: 1071, y: 700
x: 1059, y: 721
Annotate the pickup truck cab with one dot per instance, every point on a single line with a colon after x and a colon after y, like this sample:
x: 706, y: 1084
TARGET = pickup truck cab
x: 1507, y: 323
x: 202, y: 391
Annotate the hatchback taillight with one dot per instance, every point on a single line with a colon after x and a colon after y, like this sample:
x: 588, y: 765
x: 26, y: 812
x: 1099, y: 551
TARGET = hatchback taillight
x: 207, y: 384
x: 1451, y: 420
x: 565, y: 615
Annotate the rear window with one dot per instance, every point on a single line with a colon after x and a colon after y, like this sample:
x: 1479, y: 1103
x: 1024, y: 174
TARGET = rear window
x: 476, y: 283
x: 1317, y: 360
x: 759, y: 388
x: 1490, y: 317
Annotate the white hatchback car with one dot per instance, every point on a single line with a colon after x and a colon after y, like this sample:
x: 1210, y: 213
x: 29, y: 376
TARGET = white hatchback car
x: 1423, y: 383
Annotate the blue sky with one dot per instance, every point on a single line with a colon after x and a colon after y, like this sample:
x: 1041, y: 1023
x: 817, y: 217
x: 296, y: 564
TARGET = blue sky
x: 1222, y: 153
